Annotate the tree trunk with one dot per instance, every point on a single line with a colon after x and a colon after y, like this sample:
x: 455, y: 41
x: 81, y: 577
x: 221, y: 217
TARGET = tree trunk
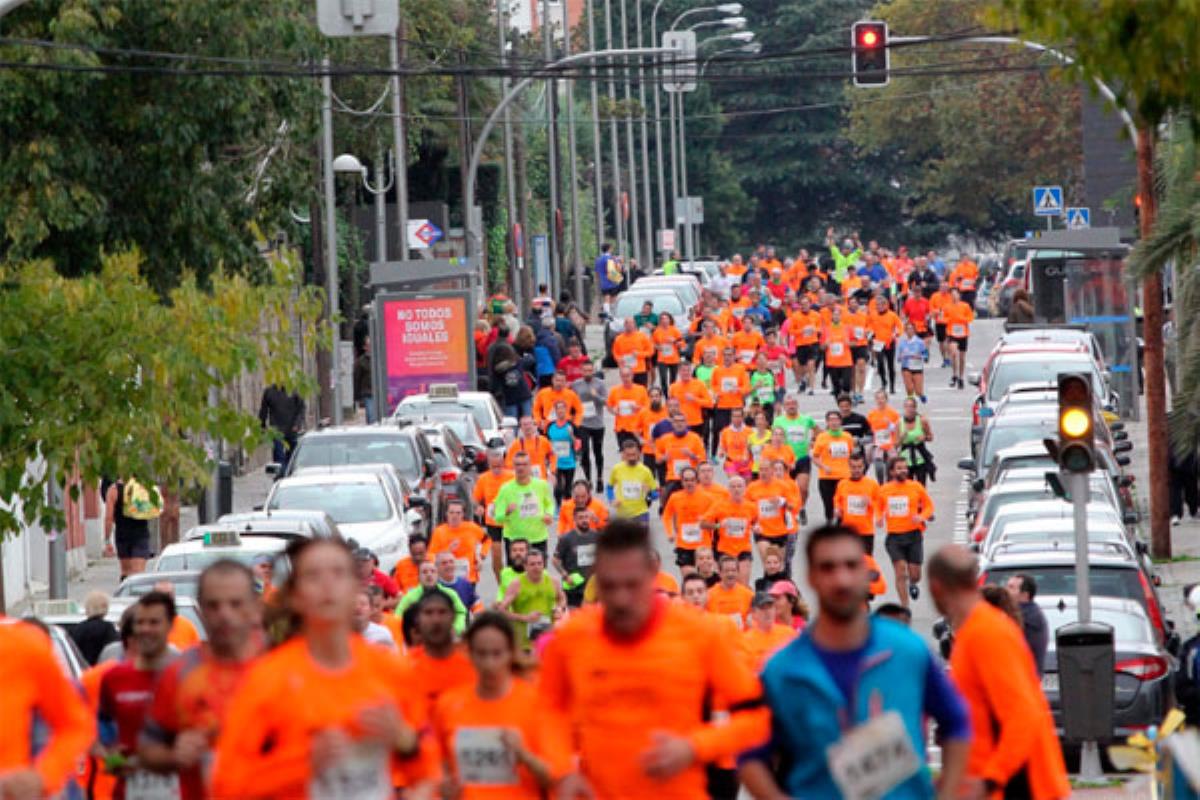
x: 324, y: 362
x: 1156, y: 395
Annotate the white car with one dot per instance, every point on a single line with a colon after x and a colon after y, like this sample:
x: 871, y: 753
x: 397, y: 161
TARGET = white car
x: 685, y: 285
x: 360, y: 502
x: 214, y: 543
x: 446, y: 397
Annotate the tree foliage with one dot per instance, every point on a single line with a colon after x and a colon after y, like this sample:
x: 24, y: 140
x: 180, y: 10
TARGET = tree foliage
x: 965, y: 148
x: 101, y: 374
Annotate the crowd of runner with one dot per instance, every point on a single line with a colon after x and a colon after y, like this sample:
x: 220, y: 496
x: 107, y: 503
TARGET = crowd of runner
x: 595, y: 671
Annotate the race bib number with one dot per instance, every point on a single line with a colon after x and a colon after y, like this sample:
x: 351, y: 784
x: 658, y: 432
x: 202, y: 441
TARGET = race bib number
x: 679, y: 465
x: 883, y: 438
x: 859, y: 333
x: 958, y: 330
x: 836, y: 348
x: 585, y: 555
x: 462, y: 567
x: 364, y: 775
x: 839, y: 449
x: 710, y: 351
x: 631, y: 490
x: 530, y: 507
x: 561, y: 449
x: 795, y: 435
x: 629, y: 361
x: 877, y: 347
x: 766, y: 394
x: 666, y: 349
x: 768, y: 507
x: 873, y: 758
x: 690, y: 533
x: 143, y: 785
x: 591, y: 409
x: 739, y: 312
x: 968, y: 285
x: 898, y: 507
x: 808, y: 332
x: 735, y: 528
x: 746, y: 356
x: 856, y: 505
x: 482, y: 758
x: 625, y: 408
x: 729, y: 385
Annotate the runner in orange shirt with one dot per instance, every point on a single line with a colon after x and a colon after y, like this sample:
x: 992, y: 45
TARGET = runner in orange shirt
x: 460, y: 538
x: 677, y: 450
x: 734, y: 447
x: 541, y: 454
x: 885, y: 329
x: 438, y: 663
x: 965, y: 278
x: 668, y: 347
x: 693, y: 396
x: 360, y: 719
x: 764, y: 636
x: 958, y: 316
x: 626, y: 401
x: 938, y: 304
x: 803, y: 329
x: 490, y: 733
x: 651, y: 415
x: 710, y: 342
x: 857, y: 320
x: 631, y: 350
x: 778, y: 449
x: 856, y: 502
x: 831, y: 455
x: 839, y: 360
x: 544, y: 400
x: 885, y: 433
x: 732, y: 520
x: 682, y: 516
x: 581, y: 497
x: 730, y: 385
x: 748, y: 342
x: 35, y: 684
x: 730, y: 597
x: 483, y: 493
x: 771, y: 498
x: 906, y: 509
x: 640, y: 731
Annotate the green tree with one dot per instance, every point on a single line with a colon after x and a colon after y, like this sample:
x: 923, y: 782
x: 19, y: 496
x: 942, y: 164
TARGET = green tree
x: 936, y: 132
x: 101, y: 374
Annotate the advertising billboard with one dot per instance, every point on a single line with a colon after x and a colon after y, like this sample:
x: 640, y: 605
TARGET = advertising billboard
x: 426, y: 339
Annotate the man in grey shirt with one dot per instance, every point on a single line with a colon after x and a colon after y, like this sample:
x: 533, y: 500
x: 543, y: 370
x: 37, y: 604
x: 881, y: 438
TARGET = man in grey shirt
x: 1023, y: 589
x: 593, y: 394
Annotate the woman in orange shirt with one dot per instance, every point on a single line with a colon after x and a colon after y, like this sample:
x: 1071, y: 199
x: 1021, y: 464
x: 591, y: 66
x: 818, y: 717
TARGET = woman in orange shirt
x: 885, y: 328
x: 668, y: 344
x: 325, y: 710
x: 494, y: 742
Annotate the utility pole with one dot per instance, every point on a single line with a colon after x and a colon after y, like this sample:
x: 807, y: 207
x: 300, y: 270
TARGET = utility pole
x: 635, y: 224
x: 647, y: 210
x: 597, y: 154
x: 331, y: 257
x: 576, y: 260
x: 398, y: 49
x: 510, y: 184
x: 552, y: 150
x: 614, y: 140
x: 523, y: 214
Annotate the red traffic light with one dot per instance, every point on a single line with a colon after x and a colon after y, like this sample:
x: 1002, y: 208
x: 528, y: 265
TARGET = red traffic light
x: 869, y: 38
x: 869, y: 43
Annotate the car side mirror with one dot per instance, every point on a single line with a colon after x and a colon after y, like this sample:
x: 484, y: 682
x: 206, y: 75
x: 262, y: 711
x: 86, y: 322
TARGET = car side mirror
x: 974, y: 378
x: 1120, y: 436
x: 273, y: 468
x: 1123, y: 461
x: 495, y: 442
x: 1173, y: 644
x: 429, y: 468
x: 508, y: 422
x: 1123, y: 446
x: 1141, y: 547
x: 1130, y: 517
x: 966, y: 464
x: 1125, y: 482
x: 973, y: 547
x: 258, y: 508
x: 417, y: 502
x: 978, y: 485
x: 1116, y: 426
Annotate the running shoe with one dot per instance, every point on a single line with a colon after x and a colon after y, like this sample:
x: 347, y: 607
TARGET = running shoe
x: 914, y: 591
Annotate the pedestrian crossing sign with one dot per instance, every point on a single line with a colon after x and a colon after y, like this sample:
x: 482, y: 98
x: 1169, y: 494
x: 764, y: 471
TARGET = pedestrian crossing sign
x: 1078, y: 218
x: 1047, y: 201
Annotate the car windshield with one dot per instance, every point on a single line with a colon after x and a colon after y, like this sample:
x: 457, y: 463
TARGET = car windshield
x: 1000, y: 437
x: 466, y: 429
x: 631, y: 304
x: 1010, y: 516
x: 421, y: 407
x: 1032, y: 369
x: 1060, y: 580
x: 183, y: 588
x: 347, y: 503
x: 333, y: 451
x: 1126, y: 627
x: 180, y: 562
x: 997, y: 502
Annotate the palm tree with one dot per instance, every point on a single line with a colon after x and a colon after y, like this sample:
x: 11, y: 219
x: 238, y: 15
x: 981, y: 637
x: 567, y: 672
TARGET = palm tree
x: 1175, y: 239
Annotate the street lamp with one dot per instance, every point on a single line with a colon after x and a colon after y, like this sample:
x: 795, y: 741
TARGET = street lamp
x: 736, y: 23
x: 750, y: 49
x: 347, y: 163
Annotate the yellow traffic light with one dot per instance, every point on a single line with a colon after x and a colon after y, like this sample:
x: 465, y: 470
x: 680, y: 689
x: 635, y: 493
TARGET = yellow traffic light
x: 1075, y: 422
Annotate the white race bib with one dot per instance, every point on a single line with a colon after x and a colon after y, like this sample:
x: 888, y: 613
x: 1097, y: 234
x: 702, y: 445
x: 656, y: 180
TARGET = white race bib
x: 629, y: 360
x: 958, y: 330
x: 625, y: 407
x: 482, y: 758
x: 142, y: 785
x: 729, y: 385
x: 631, y: 490
x: 710, y: 351
x: 808, y: 332
x: 766, y: 394
x: 877, y: 347
x: 530, y: 507
x: 591, y: 409
x: 968, y: 284
x: 585, y: 555
x: 839, y: 449
x: 856, y: 505
x: 795, y: 435
x: 836, y: 349
x: 462, y: 567
x: 735, y: 528
x: 883, y: 438
x: 898, y: 507
x: 363, y: 775
x: 859, y: 333
x: 690, y: 533
x: 739, y: 312
x: 768, y: 507
x: 561, y: 449
x: 666, y: 349
x: 679, y: 465
x: 873, y: 758
x: 746, y: 356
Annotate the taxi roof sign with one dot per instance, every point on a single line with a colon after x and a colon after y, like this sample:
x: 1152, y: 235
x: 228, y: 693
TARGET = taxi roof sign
x: 222, y: 539
x: 443, y: 391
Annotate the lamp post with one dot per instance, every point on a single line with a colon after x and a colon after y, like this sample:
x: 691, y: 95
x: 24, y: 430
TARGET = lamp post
x: 348, y: 163
x: 752, y: 48
x: 635, y: 225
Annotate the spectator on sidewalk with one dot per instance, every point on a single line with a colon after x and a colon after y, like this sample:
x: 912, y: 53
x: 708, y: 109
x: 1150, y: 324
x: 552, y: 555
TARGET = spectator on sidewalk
x: 285, y: 413
x: 1184, y: 476
x: 95, y: 632
x: 363, y: 390
x: 1023, y: 588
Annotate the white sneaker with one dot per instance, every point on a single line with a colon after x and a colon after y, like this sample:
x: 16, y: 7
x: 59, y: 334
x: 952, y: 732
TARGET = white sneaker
x: 1175, y: 521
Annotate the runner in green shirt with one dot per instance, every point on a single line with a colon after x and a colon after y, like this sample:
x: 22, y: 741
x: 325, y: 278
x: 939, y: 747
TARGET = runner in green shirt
x: 762, y: 386
x: 844, y: 259
x: 525, y: 506
x: 631, y: 485
x: 799, y: 430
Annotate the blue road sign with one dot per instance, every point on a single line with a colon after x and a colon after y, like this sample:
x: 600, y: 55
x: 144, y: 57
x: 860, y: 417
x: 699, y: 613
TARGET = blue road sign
x: 1048, y: 201
x: 1079, y: 217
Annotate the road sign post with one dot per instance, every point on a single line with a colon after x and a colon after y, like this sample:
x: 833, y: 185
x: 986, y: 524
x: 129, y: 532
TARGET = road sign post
x: 423, y: 234
x: 1079, y: 218
x: 1048, y: 203
x: 680, y: 72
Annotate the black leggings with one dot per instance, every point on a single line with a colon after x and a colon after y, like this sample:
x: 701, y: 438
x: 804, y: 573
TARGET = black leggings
x: 595, y: 438
x: 843, y: 379
x: 563, y: 478
x: 828, y: 488
x: 885, y: 363
x: 720, y: 421
x: 666, y: 375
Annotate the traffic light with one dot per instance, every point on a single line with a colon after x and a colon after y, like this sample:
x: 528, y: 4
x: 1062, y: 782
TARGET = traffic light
x: 1076, y: 415
x: 869, y: 42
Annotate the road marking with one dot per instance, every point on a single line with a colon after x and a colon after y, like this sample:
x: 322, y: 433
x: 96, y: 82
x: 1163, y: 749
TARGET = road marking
x: 960, y: 511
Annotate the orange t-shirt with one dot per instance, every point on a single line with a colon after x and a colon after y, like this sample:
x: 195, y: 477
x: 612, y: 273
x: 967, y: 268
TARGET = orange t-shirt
x: 544, y: 400
x: 678, y: 452
x: 885, y: 425
x: 566, y: 514
x: 103, y: 783
x: 831, y: 455
x: 734, y: 522
x: 627, y: 403
x: 760, y: 645
x: 958, y: 317
x: 772, y: 502
x: 646, y: 421
x: 682, y: 517
x: 965, y: 276
x: 465, y: 539
x: 731, y: 385
x: 783, y: 452
x: 856, y: 321
x: 851, y: 285
x: 735, y: 443
x: 733, y: 602
x: 541, y: 455
x: 693, y: 397
x: 666, y: 344
x: 183, y: 633
x: 265, y: 746
x: 837, y: 346
x: 632, y: 349
x: 681, y: 660
x: 857, y: 502
x: 715, y: 491
x: 405, y: 574
x: 938, y: 304
x: 805, y: 327
x: 33, y: 682
x: 900, y: 502
x: 487, y: 485
x: 747, y: 345
x: 467, y: 729
x: 885, y: 326
x: 709, y: 344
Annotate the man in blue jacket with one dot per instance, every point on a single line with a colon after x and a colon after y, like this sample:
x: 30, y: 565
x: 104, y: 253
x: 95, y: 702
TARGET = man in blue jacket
x: 849, y: 697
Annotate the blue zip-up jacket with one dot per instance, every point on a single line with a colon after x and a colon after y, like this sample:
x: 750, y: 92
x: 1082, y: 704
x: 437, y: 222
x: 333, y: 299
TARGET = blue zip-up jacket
x: 808, y: 710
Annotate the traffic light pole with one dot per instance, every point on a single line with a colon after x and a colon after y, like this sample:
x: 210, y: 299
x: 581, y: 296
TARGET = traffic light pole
x: 1078, y: 484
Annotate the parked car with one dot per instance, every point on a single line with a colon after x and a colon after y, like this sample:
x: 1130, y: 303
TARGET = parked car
x: 454, y: 465
x: 630, y: 304
x: 214, y: 543
x: 1043, y: 335
x: 1033, y: 454
x: 465, y: 427
x: 1057, y: 529
x: 362, y: 504
x: 686, y: 285
x: 1143, y: 683
x: 62, y: 614
x: 1007, y: 286
x: 284, y: 523
x: 184, y: 582
x: 446, y: 398
x: 1020, y: 489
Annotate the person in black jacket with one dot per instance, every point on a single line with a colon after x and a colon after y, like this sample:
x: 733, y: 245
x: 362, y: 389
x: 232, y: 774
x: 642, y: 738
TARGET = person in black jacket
x: 1023, y: 589
x: 1187, y: 678
x: 94, y: 633
x: 285, y: 413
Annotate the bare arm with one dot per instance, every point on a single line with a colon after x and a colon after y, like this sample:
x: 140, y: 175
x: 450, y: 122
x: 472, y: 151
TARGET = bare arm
x: 927, y: 427
x: 759, y: 782
x: 110, y: 510
x: 954, y: 768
